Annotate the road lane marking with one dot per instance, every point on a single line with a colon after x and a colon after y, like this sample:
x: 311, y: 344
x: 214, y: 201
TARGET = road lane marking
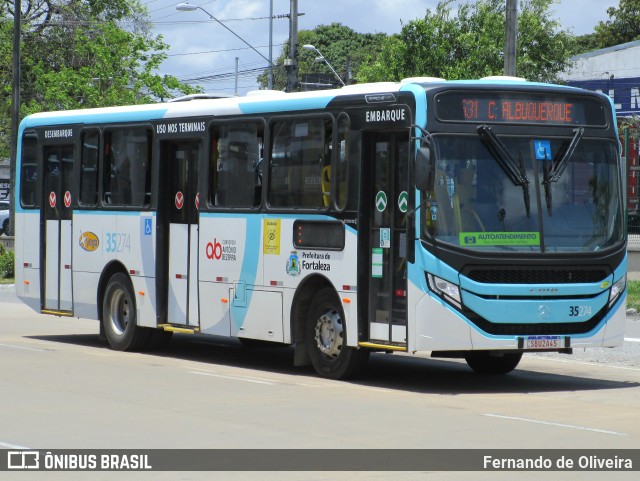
x: 21, y: 347
x: 631, y: 339
x: 558, y: 425
x: 12, y: 446
x: 233, y: 378
x: 272, y: 382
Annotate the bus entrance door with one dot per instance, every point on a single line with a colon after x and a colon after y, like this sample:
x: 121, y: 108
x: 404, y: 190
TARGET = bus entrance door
x: 387, y: 159
x: 183, y: 204
x: 56, y: 241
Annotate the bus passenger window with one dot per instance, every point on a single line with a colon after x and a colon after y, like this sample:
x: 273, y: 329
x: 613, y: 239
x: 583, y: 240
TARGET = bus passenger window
x: 300, y: 164
x: 343, y: 159
x: 89, y: 169
x: 236, y: 165
x: 29, y: 172
x: 127, y: 171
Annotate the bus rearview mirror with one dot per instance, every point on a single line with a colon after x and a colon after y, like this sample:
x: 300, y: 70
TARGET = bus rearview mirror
x: 423, y: 167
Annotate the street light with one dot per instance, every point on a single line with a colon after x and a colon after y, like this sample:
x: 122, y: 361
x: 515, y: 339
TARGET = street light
x: 321, y: 58
x: 186, y: 7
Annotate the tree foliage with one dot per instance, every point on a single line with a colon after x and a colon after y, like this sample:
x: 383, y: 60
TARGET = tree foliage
x: 586, y: 43
x: 470, y: 44
x: 80, y: 54
x: 339, y: 44
x: 623, y: 24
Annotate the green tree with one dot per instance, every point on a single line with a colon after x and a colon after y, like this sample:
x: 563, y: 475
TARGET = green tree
x: 339, y: 44
x: 80, y: 54
x: 471, y: 44
x: 623, y: 24
x: 586, y: 43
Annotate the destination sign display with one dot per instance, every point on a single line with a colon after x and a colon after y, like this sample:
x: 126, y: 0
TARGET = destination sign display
x: 519, y: 107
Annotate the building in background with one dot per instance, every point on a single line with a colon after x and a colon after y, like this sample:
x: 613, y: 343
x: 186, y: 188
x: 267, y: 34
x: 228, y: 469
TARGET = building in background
x: 4, y: 179
x: 615, y: 71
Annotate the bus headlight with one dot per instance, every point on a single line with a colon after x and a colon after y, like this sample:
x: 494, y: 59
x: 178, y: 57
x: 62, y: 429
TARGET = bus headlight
x: 445, y: 289
x: 616, y: 289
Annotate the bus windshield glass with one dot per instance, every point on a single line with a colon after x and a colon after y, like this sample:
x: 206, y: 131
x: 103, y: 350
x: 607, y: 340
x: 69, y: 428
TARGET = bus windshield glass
x: 528, y: 193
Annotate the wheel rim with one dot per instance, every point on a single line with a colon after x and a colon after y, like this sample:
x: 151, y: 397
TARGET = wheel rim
x: 120, y: 312
x: 329, y: 334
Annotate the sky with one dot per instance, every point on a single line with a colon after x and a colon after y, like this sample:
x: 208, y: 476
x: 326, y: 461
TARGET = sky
x: 200, y: 47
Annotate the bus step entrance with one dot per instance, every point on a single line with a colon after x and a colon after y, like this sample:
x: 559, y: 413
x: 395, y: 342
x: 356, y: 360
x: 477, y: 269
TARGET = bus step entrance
x: 54, y: 312
x: 179, y: 328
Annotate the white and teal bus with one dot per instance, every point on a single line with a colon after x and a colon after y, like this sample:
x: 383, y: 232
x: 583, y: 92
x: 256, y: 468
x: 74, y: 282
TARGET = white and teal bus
x: 473, y: 219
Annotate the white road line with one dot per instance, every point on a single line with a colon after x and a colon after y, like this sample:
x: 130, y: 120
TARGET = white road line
x: 559, y: 425
x: 631, y: 339
x: 245, y: 379
x: 12, y: 446
x: 11, y: 346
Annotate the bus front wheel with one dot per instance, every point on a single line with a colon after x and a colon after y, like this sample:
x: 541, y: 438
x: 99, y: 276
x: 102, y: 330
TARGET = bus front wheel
x: 490, y: 362
x: 119, y: 316
x: 326, y: 339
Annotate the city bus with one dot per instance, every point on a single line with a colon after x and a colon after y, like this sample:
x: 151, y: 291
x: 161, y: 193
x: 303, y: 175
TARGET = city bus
x: 478, y: 219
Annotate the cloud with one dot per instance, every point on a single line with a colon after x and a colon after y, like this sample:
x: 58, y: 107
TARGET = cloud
x: 364, y: 16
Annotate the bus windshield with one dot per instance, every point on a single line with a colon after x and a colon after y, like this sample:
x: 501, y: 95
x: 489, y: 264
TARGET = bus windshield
x: 524, y: 193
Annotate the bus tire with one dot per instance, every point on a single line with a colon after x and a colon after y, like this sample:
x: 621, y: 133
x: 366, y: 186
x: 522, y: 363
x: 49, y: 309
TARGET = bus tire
x: 119, y: 316
x: 326, y: 339
x: 493, y: 363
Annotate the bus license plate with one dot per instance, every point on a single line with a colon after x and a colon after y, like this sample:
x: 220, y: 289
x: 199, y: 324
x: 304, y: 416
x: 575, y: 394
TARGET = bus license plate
x: 544, y: 342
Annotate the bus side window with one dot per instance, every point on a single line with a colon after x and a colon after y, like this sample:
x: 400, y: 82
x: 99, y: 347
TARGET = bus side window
x: 301, y: 155
x: 235, y: 175
x: 29, y: 172
x: 127, y: 170
x: 89, y: 168
x: 343, y: 160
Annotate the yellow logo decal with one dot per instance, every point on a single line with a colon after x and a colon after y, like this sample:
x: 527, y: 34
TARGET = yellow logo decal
x: 271, y: 244
x: 89, y: 241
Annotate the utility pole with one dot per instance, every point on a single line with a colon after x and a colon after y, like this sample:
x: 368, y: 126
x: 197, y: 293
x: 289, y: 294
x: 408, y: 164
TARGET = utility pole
x: 270, y: 80
x: 292, y: 62
x: 15, y: 111
x: 510, y: 35
x: 236, y: 88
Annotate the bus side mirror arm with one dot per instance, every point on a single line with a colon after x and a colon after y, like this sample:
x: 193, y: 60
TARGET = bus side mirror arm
x: 419, y: 178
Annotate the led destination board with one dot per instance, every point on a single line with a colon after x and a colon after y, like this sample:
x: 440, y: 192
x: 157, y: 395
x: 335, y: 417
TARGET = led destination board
x: 517, y: 110
x: 519, y: 107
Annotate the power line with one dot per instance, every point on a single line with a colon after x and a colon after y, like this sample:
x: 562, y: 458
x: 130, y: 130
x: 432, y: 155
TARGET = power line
x: 223, y: 50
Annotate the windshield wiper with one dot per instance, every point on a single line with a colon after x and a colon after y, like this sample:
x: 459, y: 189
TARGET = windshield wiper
x: 515, y: 171
x: 559, y: 164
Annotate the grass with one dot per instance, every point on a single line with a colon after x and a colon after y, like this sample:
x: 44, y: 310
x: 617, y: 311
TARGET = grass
x: 9, y: 280
x: 633, y: 295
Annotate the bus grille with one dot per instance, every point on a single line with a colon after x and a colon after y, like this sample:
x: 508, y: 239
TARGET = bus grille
x: 535, y: 329
x: 536, y: 276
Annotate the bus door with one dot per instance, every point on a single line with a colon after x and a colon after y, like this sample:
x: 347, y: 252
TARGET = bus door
x: 180, y: 165
x: 386, y: 160
x: 56, y: 236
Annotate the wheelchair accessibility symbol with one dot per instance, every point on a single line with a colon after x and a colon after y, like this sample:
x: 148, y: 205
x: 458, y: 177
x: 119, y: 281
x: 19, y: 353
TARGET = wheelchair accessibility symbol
x: 543, y: 149
x: 148, y: 226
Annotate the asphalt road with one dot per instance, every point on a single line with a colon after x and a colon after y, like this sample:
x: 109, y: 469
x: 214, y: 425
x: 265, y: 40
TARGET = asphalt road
x: 60, y: 387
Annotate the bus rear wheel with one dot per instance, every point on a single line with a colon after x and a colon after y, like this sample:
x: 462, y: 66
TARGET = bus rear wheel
x: 326, y: 339
x: 491, y: 362
x: 119, y: 316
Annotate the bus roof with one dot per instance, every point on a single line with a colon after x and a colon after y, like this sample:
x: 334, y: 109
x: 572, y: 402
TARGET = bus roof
x: 254, y: 103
